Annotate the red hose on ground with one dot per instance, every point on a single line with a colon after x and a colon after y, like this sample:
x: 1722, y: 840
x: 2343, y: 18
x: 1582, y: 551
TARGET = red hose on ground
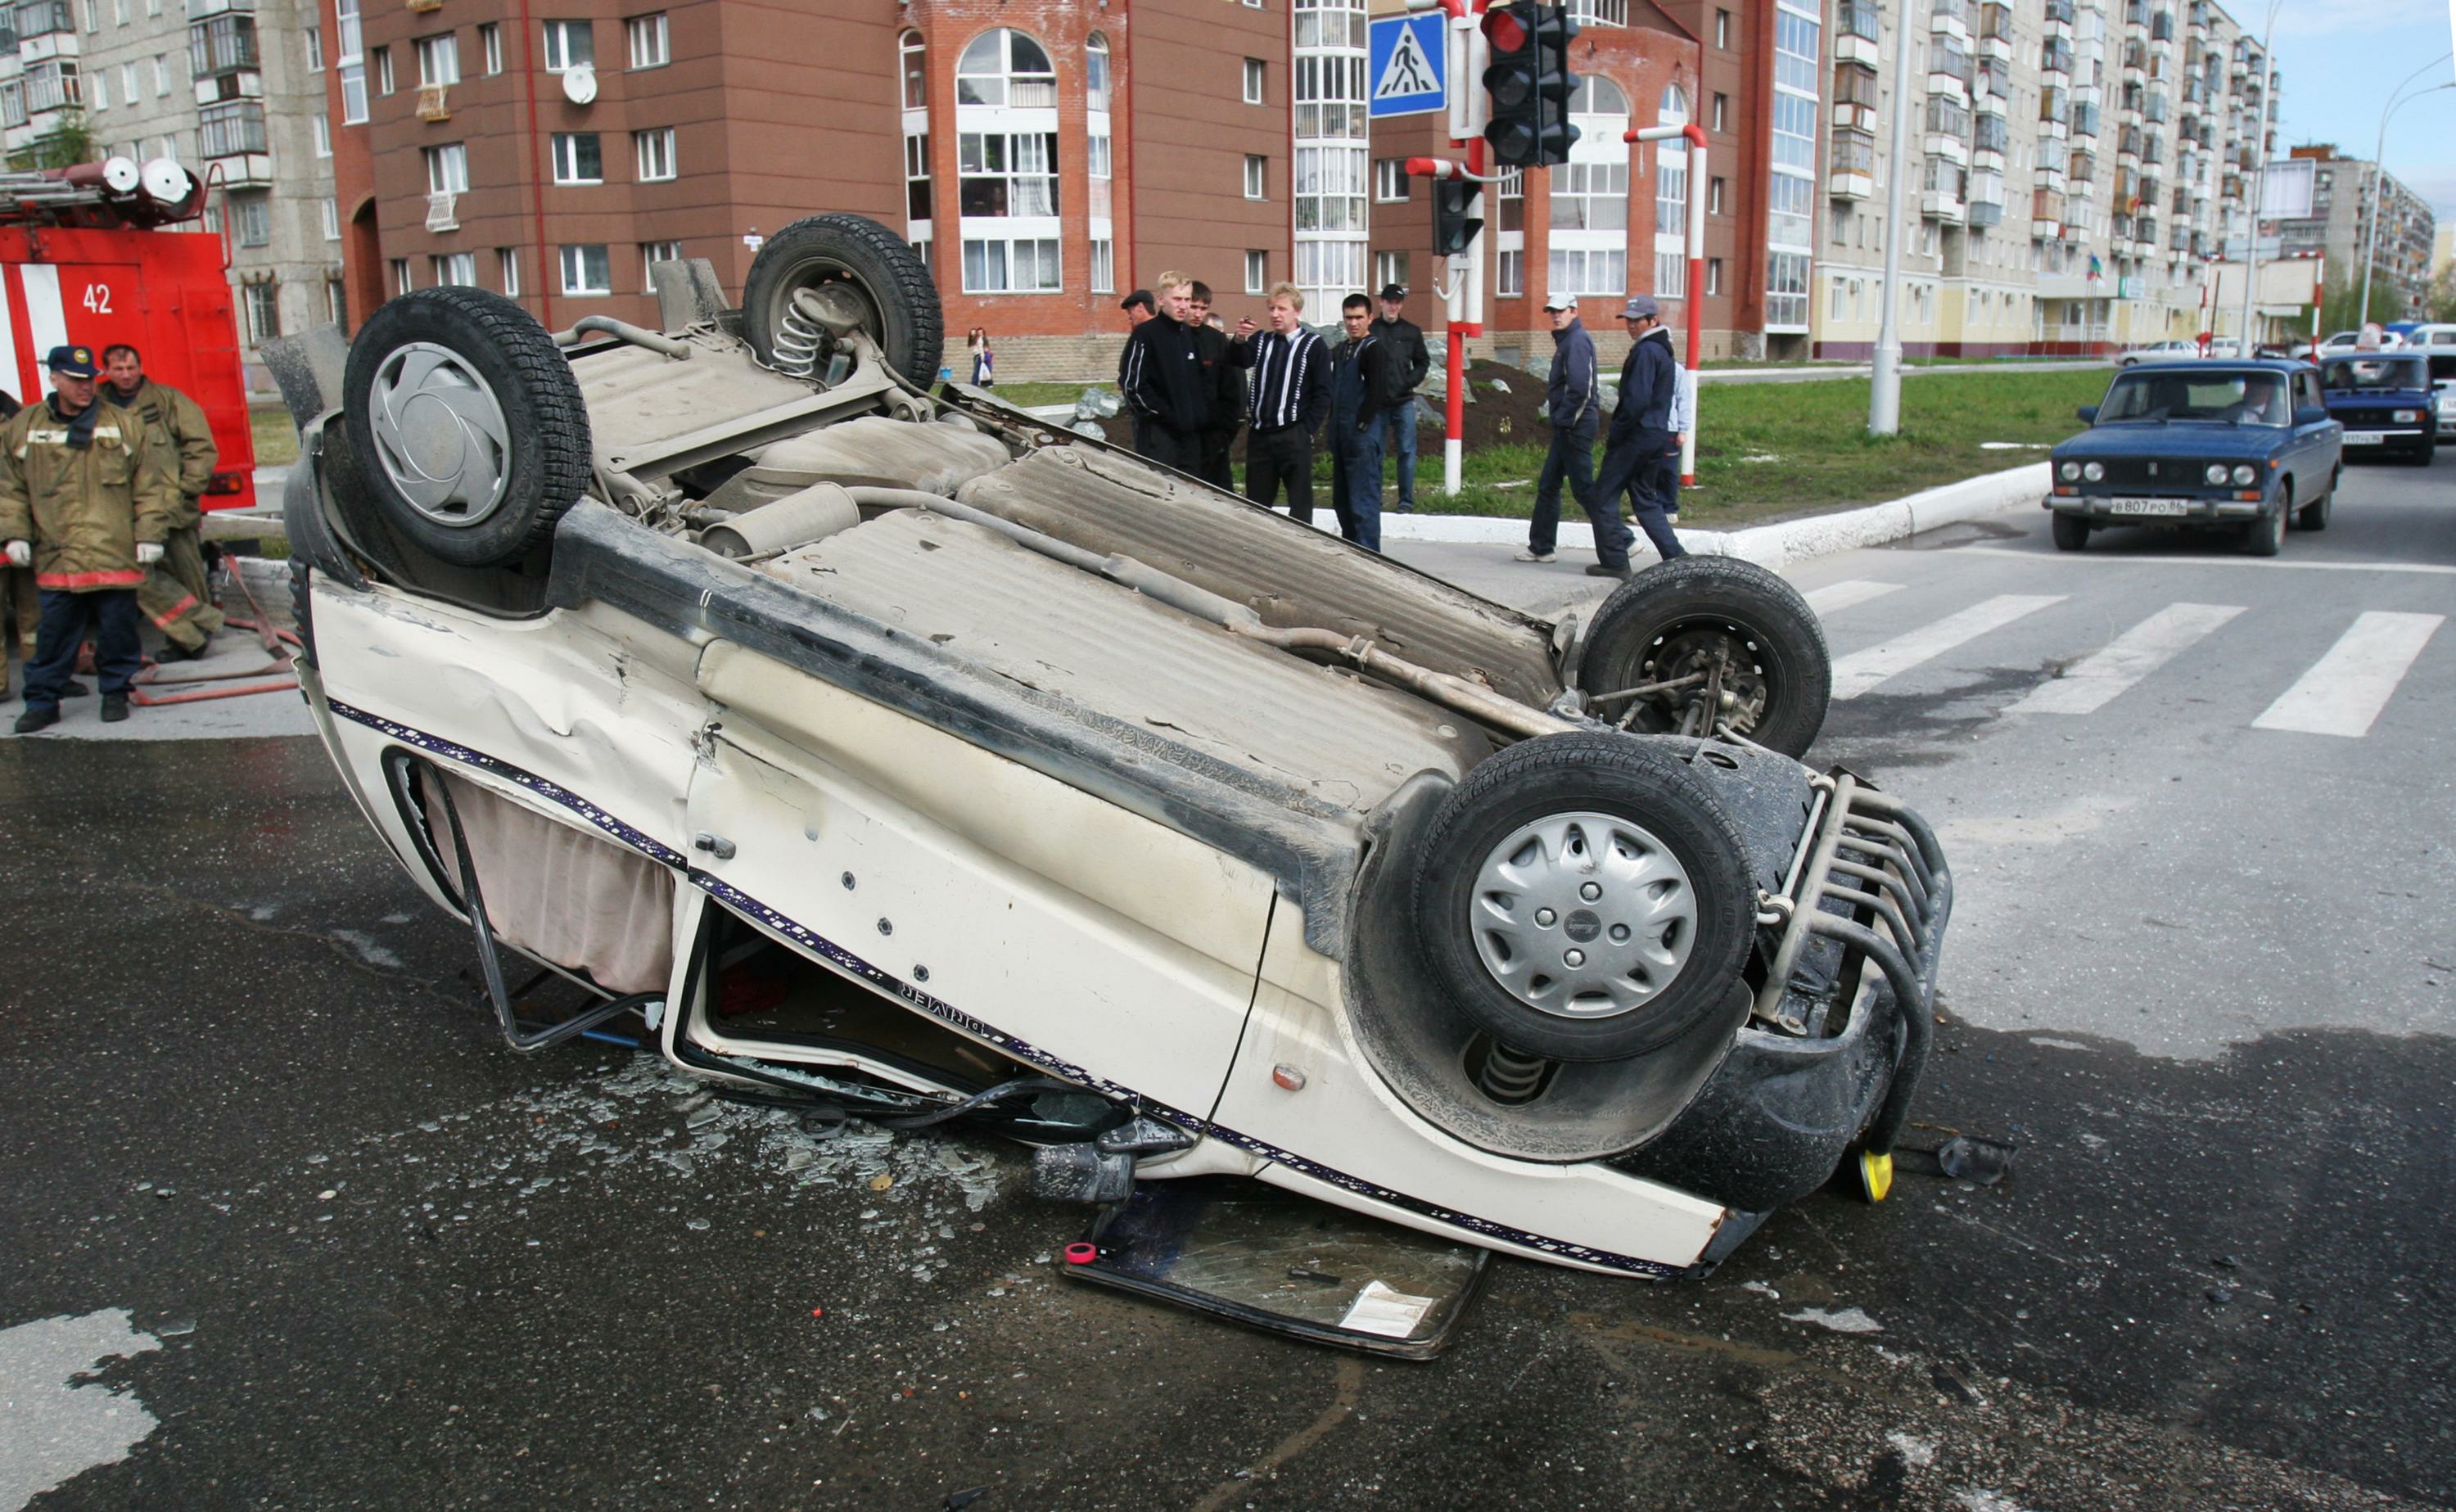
x: 278, y: 670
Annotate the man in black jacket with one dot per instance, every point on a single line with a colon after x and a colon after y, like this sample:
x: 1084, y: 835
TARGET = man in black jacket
x: 1291, y: 368
x: 1641, y: 429
x: 1361, y: 385
x: 1223, y: 383
x: 1405, y: 341
x: 1161, y: 381
x: 1140, y: 306
x: 1573, y: 402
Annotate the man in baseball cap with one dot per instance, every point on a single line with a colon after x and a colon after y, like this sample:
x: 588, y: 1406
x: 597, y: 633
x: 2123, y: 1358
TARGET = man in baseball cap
x: 1640, y: 428
x: 87, y: 494
x: 1409, y: 362
x: 1573, y: 403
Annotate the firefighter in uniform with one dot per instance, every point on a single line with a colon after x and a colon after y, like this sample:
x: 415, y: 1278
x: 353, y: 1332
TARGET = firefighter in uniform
x: 87, y: 494
x: 176, y: 595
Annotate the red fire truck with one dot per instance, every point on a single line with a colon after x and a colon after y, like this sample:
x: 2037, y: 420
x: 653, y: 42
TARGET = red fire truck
x: 105, y: 253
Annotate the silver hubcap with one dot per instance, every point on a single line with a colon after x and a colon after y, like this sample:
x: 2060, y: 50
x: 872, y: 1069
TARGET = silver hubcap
x: 1583, y: 915
x: 440, y: 435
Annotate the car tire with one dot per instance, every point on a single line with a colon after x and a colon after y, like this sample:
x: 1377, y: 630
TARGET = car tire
x: 468, y: 424
x: 2071, y: 532
x: 2422, y: 458
x: 2314, y: 516
x: 902, y: 309
x: 1696, y: 607
x: 1558, y: 814
x: 2266, y: 536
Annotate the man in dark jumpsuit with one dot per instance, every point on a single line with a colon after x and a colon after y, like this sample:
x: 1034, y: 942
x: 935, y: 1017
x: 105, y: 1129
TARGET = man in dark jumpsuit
x: 1641, y: 429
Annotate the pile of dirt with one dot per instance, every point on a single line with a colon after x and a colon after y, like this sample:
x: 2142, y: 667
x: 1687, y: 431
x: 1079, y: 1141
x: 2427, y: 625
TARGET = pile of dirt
x: 1504, y: 407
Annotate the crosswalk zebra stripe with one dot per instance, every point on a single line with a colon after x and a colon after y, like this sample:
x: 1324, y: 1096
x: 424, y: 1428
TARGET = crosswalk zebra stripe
x: 1861, y: 670
x: 2091, y: 683
x: 2345, y: 689
x: 1835, y: 597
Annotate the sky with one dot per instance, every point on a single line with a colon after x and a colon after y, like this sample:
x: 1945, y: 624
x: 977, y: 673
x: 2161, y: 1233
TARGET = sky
x: 2341, y: 63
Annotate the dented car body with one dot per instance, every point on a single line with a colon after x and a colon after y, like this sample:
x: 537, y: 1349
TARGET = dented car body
x: 908, y: 753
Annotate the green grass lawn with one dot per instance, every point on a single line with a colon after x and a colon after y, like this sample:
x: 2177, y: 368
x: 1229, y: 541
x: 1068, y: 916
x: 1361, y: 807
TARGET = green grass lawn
x: 276, y: 440
x: 1768, y: 450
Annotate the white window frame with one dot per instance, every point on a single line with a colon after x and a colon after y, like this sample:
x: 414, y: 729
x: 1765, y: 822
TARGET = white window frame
x: 651, y: 253
x: 575, y: 261
x: 439, y: 59
x: 455, y: 269
x: 402, y: 280
x: 1390, y: 268
x: 261, y: 303
x: 254, y: 216
x: 97, y: 91
x: 384, y: 83
x: 507, y: 268
x: 559, y: 53
x: 328, y: 211
x: 652, y: 154
x: 161, y: 74
x: 322, y: 126
x: 1257, y: 270
x: 1104, y: 265
x: 1390, y: 183
x: 979, y: 276
x: 1256, y: 81
x: 564, y: 148
x: 447, y: 168
x: 314, y: 36
x: 647, y: 41
x: 490, y: 47
x: 1258, y: 177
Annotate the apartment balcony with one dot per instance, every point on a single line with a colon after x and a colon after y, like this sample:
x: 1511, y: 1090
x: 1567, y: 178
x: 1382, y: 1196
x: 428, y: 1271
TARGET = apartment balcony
x: 433, y: 102
x: 1843, y: 184
x: 1951, y: 18
x: 1941, y: 204
x: 2161, y: 26
x: 1851, y: 165
x: 1848, y: 116
x: 2051, y: 179
x: 2195, y: 20
x: 242, y: 169
x: 1855, y: 32
x: 441, y: 211
x: 1953, y: 149
x: 199, y: 9
x: 1584, y: 12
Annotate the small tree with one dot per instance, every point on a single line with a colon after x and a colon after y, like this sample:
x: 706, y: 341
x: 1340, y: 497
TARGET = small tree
x: 2441, y: 297
x: 63, y: 146
x: 2340, y: 304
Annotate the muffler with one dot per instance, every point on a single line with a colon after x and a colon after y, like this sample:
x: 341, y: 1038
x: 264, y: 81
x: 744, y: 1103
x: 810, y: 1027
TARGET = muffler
x: 786, y: 524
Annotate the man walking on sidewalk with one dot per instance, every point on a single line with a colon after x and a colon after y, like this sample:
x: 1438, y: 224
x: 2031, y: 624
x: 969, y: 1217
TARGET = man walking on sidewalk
x: 1291, y: 370
x: 1640, y: 428
x: 1573, y: 402
x: 176, y: 594
x: 87, y: 494
x: 1360, y: 388
x: 1403, y: 342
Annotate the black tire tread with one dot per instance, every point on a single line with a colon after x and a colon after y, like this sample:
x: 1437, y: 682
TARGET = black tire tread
x: 908, y: 280
x: 560, y: 448
x: 2071, y: 532
x: 1561, y: 761
x: 1704, y: 575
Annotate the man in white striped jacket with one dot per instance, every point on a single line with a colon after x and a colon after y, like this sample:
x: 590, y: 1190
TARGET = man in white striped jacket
x: 1291, y: 370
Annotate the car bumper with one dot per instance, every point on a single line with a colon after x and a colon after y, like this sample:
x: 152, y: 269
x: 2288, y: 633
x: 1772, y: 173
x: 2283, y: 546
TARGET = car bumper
x: 2394, y: 437
x: 2100, y: 509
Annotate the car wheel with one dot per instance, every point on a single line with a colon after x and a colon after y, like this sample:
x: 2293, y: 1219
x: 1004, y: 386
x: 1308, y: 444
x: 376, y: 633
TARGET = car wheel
x: 1745, y: 648
x: 2314, y: 516
x: 873, y: 274
x: 2071, y: 532
x: 2265, y: 536
x: 467, y: 425
x: 2429, y: 449
x: 1585, y: 897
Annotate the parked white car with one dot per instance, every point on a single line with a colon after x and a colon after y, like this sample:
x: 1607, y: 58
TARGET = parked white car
x: 2158, y: 352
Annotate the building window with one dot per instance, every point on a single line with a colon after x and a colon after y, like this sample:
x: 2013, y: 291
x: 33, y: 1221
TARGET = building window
x: 1331, y: 177
x: 1097, y: 150
x: 1790, y: 185
x: 586, y: 270
x: 251, y: 219
x: 231, y: 128
x: 1027, y: 266
x: 383, y: 71
x: 1509, y: 273
x: 98, y: 90
x: 651, y: 253
x: 507, y: 268
x: 1257, y: 176
x: 447, y: 169
x: 1671, y: 199
x: 490, y: 46
x: 161, y: 74
x: 1588, y: 271
x: 570, y: 44
x: 1390, y: 268
x: 1713, y: 275
x: 323, y: 129
x: 576, y: 158
x: 314, y: 38
x: 263, y: 312
x: 1390, y: 180
x: 1095, y: 72
x: 1104, y: 265
x: 1722, y: 30
x: 1253, y: 73
x: 1590, y: 196
x: 337, y: 303
x: 645, y: 39
x: 92, y: 16
x: 915, y: 58
x: 1258, y: 271
x: 1714, y: 196
x: 453, y: 268
x: 1006, y: 68
x: 328, y: 212
x: 401, y: 282
x: 1589, y: 205
x: 1671, y: 275
x: 652, y: 152
x: 1012, y: 175
x: 916, y: 183
x: 439, y: 59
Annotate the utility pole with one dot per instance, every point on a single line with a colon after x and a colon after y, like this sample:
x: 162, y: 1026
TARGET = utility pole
x: 2259, y: 175
x: 2379, y: 177
x: 1884, y: 391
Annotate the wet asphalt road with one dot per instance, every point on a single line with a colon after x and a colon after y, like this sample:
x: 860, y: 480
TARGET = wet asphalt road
x: 375, y: 1259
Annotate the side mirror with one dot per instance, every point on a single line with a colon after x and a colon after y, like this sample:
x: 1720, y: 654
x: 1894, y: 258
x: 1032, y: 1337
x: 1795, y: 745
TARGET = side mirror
x: 2087, y: 414
x: 2311, y: 414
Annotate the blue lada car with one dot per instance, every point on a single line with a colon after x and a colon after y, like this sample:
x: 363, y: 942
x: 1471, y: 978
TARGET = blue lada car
x: 2242, y: 447
x: 2384, y: 401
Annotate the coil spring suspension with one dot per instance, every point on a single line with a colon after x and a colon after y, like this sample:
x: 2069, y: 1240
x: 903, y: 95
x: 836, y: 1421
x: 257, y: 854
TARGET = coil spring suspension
x: 800, y: 342
x: 1510, y: 1076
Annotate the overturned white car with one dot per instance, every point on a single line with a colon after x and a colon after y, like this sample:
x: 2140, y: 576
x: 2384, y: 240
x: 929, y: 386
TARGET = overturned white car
x: 905, y: 754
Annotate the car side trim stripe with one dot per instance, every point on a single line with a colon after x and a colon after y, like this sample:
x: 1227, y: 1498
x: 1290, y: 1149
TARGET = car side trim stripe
x: 956, y: 1018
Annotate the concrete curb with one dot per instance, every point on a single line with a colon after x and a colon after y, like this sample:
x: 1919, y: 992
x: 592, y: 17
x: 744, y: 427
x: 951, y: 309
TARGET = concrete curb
x: 1772, y: 545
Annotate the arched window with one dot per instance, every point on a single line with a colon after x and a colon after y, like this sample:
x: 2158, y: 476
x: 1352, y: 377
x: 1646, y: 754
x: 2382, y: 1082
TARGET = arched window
x: 1006, y: 68
x: 1672, y: 198
x: 1589, y: 243
x: 1095, y: 72
x: 916, y: 79
x: 1597, y: 95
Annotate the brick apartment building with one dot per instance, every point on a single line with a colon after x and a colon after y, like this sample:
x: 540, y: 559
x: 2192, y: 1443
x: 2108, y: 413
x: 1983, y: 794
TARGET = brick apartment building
x: 1044, y: 157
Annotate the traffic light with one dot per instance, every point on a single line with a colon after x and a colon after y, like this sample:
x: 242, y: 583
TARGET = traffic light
x: 1530, y: 84
x: 1453, y: 227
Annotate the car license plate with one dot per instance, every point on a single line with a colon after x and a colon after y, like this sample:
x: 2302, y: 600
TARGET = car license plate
x: 2366, y: 437
x: 2149, y: 506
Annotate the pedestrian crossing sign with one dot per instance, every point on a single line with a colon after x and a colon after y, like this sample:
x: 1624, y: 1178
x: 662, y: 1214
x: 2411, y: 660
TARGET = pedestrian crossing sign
x: 1407, y: 61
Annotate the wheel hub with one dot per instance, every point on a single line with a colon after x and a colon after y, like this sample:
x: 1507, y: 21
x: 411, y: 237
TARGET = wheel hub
x: 1583, y: 915
x: 440, y: 437
x: 1734, y: 691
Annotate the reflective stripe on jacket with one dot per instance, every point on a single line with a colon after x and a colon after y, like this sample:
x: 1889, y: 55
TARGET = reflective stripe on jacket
x: 85, y: 511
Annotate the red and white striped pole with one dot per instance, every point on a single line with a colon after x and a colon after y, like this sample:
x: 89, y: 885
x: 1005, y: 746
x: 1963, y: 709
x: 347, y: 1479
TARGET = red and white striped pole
x: 1694, y: 241
x: 1463, y: 306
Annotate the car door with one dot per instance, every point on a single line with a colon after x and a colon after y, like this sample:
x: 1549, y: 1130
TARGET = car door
x: 2316, y: 445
